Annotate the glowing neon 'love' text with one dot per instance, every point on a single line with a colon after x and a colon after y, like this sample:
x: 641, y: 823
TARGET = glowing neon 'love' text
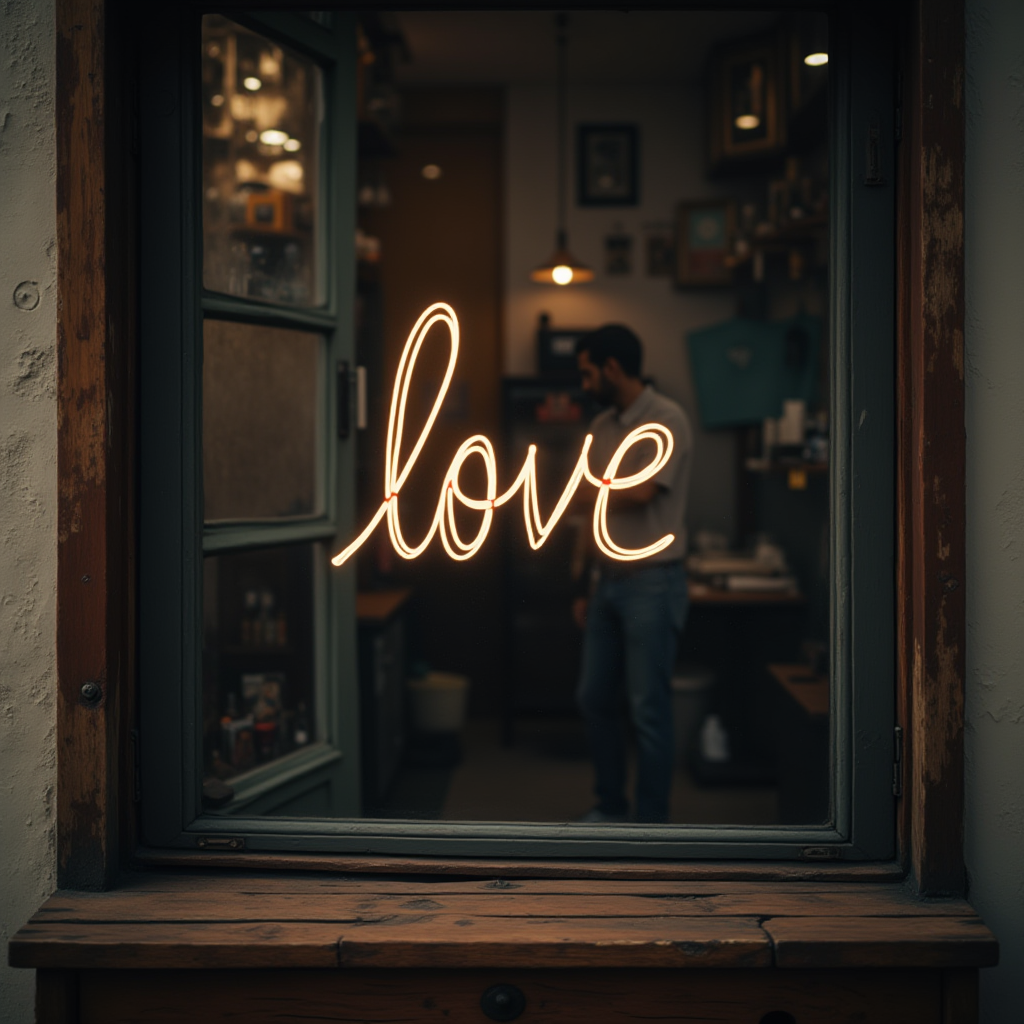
x: 396, y: 473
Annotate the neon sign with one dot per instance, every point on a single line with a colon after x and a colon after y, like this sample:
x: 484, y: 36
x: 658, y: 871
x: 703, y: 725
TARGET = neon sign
x: 396, y: 472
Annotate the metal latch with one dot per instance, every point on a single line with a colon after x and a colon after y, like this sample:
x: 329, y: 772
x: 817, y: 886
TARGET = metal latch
x: 220, y: 843
x: 821, y: 853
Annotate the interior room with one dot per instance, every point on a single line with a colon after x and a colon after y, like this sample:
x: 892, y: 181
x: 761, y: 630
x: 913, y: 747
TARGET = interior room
x: 677, y: 162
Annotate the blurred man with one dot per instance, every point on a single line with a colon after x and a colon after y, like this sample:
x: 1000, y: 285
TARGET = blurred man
x: 635, y: 610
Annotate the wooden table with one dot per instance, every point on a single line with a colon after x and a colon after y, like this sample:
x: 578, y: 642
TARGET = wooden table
x: 262, y: 947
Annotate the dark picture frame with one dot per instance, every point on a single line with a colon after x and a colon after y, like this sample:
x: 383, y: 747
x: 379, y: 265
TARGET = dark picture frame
x: 705, y: 231
x: 607, y: 165
x: 748, y: 100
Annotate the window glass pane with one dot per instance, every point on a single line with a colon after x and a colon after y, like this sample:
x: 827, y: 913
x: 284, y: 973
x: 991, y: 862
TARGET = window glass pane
x: 259, y: 692
x: 262, y: 401
x: 262, y: 113
x: 715, y: 254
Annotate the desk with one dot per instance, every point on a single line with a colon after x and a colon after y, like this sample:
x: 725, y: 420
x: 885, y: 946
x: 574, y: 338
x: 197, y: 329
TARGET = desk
x: 705, y: 594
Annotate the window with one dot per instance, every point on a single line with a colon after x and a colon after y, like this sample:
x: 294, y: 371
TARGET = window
x: 246, y: 394
x: 248, y: 463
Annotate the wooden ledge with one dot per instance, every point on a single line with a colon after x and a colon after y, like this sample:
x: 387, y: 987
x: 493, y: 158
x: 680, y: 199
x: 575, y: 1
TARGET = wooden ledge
x: 241, y: 920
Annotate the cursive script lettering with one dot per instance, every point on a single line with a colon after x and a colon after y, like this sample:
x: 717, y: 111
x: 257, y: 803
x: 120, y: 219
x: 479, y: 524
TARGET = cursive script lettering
x: 396, y: 472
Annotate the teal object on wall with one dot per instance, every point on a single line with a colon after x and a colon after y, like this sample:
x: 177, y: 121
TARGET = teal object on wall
x: 745, y: 369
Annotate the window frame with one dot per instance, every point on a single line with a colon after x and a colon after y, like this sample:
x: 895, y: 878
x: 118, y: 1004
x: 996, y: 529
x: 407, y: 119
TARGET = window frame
x: 98, y: 392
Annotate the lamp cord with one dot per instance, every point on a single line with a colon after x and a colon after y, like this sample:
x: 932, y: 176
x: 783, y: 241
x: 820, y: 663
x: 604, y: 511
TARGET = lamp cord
x: 561, y: 21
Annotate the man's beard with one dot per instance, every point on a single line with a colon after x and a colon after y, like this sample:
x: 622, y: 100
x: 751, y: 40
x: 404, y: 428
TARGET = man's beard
x: 605, y: 393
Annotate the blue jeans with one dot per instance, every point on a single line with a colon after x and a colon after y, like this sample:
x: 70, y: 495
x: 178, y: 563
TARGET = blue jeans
x: 633, y: 624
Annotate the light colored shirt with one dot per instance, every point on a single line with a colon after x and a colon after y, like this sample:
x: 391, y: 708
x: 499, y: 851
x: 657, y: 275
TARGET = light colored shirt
x: 635, y: 526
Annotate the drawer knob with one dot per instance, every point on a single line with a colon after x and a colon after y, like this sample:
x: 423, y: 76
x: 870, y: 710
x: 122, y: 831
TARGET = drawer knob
x: 503, y: 1002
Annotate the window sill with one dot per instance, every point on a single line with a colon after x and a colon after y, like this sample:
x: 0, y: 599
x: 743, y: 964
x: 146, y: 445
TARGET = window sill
x: 229, y: 920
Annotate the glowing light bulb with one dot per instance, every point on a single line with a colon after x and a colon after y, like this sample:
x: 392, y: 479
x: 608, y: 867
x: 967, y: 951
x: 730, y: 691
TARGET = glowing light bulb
x: 815, y: 60
x: 443, y: 523
x: 561, y: 274
x: 252, y: 83
x: 745, y: 122
x: 273, y: 137
x: 291, y: 145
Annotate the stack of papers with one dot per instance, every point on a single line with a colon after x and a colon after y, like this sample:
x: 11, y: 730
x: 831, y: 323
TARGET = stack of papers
x: 729, y: 571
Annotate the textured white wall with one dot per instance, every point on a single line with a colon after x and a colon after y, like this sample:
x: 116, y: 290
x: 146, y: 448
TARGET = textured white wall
x: 671, y: 126
x: 995, y: 491
x: 28, y: 481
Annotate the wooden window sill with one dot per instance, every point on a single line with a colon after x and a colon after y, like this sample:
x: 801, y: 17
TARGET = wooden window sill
x: 228, y: 920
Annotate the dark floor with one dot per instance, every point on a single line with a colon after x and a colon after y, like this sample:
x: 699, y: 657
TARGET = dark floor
x: 545, y: 775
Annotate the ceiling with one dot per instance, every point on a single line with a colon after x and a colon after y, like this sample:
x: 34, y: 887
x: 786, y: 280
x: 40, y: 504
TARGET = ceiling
x: 605, y: 47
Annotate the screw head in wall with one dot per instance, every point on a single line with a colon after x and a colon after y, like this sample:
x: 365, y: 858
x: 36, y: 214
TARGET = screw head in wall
x: 26, y: 295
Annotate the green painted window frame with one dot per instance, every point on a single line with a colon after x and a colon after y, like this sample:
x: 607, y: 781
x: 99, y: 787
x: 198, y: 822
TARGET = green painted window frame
x: 173, y: 537
x: 862, y: 487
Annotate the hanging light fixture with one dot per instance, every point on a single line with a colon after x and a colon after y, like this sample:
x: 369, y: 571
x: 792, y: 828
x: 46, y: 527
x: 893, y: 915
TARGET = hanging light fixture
x: 813, y: 41
x: 562, y: 267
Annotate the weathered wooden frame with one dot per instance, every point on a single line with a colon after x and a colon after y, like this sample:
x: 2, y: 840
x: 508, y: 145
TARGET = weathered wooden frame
x: 97, y: 478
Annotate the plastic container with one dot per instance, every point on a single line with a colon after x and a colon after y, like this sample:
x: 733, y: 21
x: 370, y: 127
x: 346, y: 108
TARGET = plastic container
x: 438, y: 702
x: 691, y: 687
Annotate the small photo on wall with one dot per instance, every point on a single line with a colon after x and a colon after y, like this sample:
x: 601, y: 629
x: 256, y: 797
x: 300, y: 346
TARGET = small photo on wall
x: 618, y: 254
x: 660, y: 253
x: 704, y: 238
x: 606, y: 165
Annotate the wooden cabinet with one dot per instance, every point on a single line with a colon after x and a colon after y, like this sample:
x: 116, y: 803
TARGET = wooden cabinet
x: 565, y: 996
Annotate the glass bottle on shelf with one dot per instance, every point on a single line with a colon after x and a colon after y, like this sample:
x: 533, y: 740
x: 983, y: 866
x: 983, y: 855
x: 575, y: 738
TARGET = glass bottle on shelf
x: 300, y: 726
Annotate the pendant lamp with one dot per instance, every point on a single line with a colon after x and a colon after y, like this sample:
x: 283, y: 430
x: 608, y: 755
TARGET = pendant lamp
x: 562, y: 267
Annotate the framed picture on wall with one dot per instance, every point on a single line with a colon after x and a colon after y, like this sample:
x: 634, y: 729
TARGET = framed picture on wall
x: 704, y: 236
x: 747, y: 93
x: 607, y: 165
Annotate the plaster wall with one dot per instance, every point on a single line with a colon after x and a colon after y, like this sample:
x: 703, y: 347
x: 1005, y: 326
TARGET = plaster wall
x: 28, y: 480
x: 670, y: 120
x: 995, y: 491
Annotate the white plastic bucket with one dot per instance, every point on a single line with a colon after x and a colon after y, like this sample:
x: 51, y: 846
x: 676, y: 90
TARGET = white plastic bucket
x: 438, y: 702
x: 691, y: 687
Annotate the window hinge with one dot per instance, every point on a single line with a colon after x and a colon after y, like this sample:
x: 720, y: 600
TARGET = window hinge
x: 873, y: 155
x: 136, y: 767
x: 897, y: 762
x: 220, y: 843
